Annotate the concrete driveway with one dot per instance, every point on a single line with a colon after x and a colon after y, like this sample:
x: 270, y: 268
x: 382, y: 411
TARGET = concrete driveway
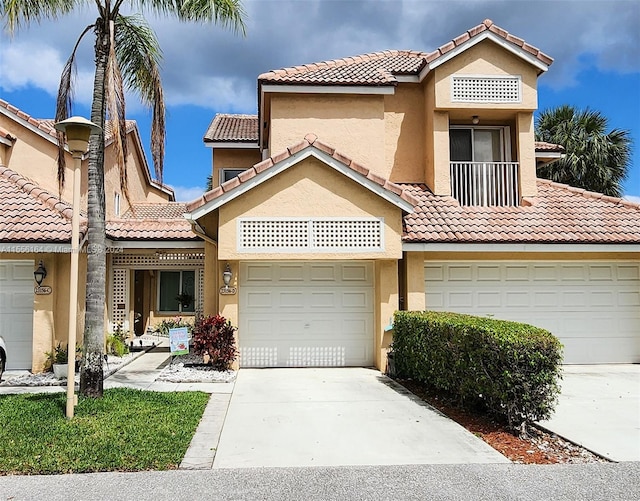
x: 331, y: 417
x: 599, y: 408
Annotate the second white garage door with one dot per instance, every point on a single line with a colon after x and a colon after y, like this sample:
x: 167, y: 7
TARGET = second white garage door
x: 295, y: 314
x: 593, y: 307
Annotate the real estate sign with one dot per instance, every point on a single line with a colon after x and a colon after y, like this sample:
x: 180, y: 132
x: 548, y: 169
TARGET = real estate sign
x: 179, y: 341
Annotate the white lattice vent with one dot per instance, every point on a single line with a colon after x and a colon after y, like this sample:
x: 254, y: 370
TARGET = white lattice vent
x: 158, y: 260
x: 119, y: 306
x: 200, y: 293
x: 485, y: 89
x: 310, y: 235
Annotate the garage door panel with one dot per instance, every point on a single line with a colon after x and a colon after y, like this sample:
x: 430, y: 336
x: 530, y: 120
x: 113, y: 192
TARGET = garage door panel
x: 576, y: 301
x: 290, y: 273
x: 630, y: 272
x: 259, y: 299
x: 627, y: 298
x: 320, y: 314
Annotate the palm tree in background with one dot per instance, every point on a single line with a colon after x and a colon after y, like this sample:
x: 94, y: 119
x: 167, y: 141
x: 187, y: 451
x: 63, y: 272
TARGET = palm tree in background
x: 595, y: 159
x: 127, y: 56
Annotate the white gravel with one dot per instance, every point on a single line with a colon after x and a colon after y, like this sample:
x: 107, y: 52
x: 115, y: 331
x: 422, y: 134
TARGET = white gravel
x: 178, y: 372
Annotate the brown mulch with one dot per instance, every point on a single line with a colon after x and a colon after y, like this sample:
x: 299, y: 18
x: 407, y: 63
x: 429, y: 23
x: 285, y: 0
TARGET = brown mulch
x: 540, y: 447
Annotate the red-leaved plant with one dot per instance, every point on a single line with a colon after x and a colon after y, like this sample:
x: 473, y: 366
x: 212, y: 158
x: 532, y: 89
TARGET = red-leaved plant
x: 214, y: 336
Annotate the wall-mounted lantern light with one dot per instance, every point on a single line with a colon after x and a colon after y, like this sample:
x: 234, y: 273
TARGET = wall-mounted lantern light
x: 40, y: 274
x: 227, y: 275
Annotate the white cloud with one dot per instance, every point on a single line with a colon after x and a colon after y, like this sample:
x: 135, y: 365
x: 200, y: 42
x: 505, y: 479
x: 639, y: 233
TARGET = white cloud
x: 187, y: 193
x: 208, y: 66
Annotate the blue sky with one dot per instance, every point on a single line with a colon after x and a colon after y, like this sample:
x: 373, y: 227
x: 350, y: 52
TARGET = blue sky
x: 596, y: 46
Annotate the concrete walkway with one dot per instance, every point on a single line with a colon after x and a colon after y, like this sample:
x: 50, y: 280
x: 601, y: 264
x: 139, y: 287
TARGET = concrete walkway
x: 335, y: 417
x: 599, y: 408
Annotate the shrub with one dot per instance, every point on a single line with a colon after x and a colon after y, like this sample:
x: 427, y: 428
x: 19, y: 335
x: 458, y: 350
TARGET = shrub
x: 510, y: 369
x: 116, y: 346
x: 213, y: 335
x: 163, y: 327
x: 59, y: 355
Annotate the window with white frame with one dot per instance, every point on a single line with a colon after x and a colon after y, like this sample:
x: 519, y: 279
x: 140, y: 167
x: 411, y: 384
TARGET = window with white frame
x: 482, y: 172
x: 228, y: 174
x: 116, y: 204
x: 177, y: 291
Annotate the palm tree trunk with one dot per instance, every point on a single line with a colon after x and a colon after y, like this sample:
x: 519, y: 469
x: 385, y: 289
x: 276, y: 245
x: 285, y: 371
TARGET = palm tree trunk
x: 91, y: 376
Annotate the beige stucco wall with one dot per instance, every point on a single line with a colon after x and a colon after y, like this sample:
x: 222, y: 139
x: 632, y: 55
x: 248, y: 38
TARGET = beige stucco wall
x: 526, y: 154
x: 404, y: 121
x: 309, y: 189
x: 233, y: 158
x: 386, y: 294
x: 352, y: 124
x: 486, y: 58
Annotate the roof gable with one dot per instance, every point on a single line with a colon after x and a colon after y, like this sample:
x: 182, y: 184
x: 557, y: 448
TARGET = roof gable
x: 271, y: 167
x: 389, y: 67
x: 30, y: 214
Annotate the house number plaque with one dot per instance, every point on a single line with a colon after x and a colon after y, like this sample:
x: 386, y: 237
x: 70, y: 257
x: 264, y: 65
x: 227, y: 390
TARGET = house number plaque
x: 228, y: 291
x: 42, y: 290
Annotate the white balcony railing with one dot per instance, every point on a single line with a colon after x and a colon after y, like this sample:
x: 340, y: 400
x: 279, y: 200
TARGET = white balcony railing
x: 485, y: 183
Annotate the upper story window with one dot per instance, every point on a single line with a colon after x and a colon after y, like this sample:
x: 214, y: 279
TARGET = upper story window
x: 481, y: 170
x: 227, y: 174
x: 116, y: 204
x: 486, y: 89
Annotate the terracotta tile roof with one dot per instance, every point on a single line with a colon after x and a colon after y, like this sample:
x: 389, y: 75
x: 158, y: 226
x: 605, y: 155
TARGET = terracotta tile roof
x: 377, y: 68
x: 381, y: 68
x: 30, y: 214
x: 310, y: 140
x: 152, y: 221
x: 46, y: 124
x: 232, y: 128
x: 549, y: 147
x: 560, y: 214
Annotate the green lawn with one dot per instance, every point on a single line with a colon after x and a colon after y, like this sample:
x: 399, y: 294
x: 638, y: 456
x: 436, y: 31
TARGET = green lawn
x: 126, y: 430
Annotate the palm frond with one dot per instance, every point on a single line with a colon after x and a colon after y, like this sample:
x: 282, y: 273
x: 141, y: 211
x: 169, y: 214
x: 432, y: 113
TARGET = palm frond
x: 226, y: 13
x: 20, y: 13
x: 139, y: 57
x: 64, y: 102
x: 115, y: 104
x: 595, y: 160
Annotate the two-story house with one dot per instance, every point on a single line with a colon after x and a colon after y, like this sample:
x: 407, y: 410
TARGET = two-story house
x: 407, y: 180
x: 153, y: 254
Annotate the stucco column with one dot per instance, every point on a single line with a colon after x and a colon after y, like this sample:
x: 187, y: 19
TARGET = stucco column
x: 228, y: 303
x: 526, y: 154
x: 415, y: 299
x: 211, y: 279
x: 441, y: 169
x: 386, y: 305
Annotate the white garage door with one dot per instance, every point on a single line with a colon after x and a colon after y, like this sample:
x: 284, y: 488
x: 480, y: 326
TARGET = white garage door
x: 593, y: 307
x: 16, y: 311
x: 295, y: 314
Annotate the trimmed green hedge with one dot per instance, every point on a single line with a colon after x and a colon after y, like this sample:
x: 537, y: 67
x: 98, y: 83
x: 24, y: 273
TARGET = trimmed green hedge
x: 511, y: 368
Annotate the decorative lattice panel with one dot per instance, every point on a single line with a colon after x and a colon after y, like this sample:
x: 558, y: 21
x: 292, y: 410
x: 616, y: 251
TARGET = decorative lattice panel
x: 311, y: 235
x: 200, y: 293
x: 471, y: 89
x: 119, y: 306
x: 274, y: 234
x: 158, y: 260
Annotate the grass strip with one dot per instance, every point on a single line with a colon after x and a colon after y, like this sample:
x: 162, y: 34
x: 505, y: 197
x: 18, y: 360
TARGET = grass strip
x: 126, y: 430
